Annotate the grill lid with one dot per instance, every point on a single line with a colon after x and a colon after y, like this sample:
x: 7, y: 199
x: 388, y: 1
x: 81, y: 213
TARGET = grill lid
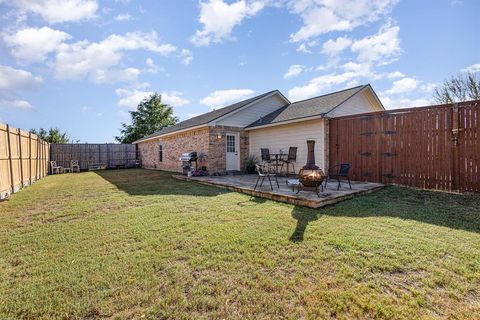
x: 189, y: 156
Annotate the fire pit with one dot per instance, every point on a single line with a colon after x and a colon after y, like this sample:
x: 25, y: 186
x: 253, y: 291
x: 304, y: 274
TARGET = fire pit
x: 311, y: 176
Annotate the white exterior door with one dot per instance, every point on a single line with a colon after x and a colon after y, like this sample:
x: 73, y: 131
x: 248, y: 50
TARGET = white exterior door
x: 233, y: 152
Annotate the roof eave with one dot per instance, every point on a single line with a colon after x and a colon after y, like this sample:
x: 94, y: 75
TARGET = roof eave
x: 171, y: 133
x: 307, y: 118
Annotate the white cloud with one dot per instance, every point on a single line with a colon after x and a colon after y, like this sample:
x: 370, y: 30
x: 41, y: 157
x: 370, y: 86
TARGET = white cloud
x: 17, y: 80
x: 123, y: 17
x: 15, y: 103
x: 323, y: 16
x: 222, y: 98
x: 381, y: 48
x: 34, y: 44
x: 303, y: 48
x: 428, y: 87
x: 101, y: 76
x: 186, y: 56
x: 352, y: 72
x: 219, y: 18
x: 404, y: 102
x: 56, y: 11
x: 86, y: 58
x: 403, y: 85
x: 13, y: 83
x: 334, y: 47
x: 174, y: 98
x: 294, y: 71
x: 472, y: 68
x: 395, y: 74
x: 130, y: 98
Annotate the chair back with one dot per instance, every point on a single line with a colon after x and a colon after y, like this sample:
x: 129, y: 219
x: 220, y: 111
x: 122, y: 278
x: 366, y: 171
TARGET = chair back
x: 265, y: 154
x: 53, y: 163
x: 344, y: 169
x: 74, y: 162
x: 260, y: 169
x: 292, y: 154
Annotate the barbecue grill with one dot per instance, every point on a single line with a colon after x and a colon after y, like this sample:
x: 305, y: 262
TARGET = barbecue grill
x: 187, y: 159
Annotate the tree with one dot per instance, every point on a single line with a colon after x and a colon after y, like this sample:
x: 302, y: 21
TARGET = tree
x: 459, y: 88
x: 151, y: 115
x: 53, y: 135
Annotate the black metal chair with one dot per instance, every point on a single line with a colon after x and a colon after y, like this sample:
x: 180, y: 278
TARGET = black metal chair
x: 338, y: 172
x: 265, y: 172
x: 291, y: 159
x: 265, y: 155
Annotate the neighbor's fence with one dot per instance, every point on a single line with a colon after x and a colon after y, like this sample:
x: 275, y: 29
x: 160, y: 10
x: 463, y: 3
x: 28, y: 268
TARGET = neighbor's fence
x: 108, y: 154
x: 23, y: 159
x: 435, y: 147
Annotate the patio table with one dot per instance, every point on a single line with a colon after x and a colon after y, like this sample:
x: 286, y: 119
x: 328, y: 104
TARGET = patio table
x: 277, y: 157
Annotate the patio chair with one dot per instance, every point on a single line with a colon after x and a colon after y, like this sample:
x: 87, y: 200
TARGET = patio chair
x: 265, y: 172
x: 291, y: 159
x: 74, y: 166
x: 54, y: 168
x: 338, y: 172
x: 265, y: 155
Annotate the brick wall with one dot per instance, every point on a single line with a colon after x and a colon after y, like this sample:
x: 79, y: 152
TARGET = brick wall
x: 173, y: 147
x: 218, y: 145
x: 211, y: 141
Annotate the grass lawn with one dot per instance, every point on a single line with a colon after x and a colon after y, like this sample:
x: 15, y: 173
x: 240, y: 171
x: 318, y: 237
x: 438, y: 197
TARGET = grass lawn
x: 138, y: 244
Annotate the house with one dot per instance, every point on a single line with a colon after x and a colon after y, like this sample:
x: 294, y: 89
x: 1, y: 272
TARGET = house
x: 227, y: 136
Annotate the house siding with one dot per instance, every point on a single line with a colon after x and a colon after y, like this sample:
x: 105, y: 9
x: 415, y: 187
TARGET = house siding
x: 251, y: 114
x: 362, y: 102
x: 281, y: 137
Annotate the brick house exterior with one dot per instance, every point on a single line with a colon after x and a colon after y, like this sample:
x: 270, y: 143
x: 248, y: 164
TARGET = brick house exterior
x: 227, y: 136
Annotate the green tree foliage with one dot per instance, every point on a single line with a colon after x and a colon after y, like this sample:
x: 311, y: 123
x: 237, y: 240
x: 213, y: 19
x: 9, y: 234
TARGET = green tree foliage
x: 459, y: 88
x: 53, y: 135
x: 151, y: 115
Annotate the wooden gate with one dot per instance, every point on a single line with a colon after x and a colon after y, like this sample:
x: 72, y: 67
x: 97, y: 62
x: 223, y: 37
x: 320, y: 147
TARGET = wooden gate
x: 435, y: 147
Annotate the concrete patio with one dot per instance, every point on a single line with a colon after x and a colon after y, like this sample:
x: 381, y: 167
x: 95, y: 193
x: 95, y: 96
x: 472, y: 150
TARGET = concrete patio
x: 245, y: 184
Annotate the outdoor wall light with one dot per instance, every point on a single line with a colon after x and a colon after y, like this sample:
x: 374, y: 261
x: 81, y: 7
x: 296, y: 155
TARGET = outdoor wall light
x: 219, y: 136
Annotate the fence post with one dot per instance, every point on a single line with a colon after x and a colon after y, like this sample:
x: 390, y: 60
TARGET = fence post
x: 30, y: 158
x: 12, y: 183
x: 455, y: 154
x: 21, y: 156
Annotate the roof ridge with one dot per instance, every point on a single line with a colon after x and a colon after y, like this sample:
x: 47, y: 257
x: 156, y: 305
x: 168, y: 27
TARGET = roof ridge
x: 328, y: 94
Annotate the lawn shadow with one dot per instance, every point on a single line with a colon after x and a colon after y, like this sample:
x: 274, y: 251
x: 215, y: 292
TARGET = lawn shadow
x: 303, y: 216
x: 453, y: 211
x: 141, y: 182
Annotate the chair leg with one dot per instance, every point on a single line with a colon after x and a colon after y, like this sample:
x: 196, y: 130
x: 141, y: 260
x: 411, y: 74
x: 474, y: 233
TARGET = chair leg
x: 338, y: 188
x: 270, y: 180
x: 276, y: 180
x: 256, y: 183
x: 349, y: 183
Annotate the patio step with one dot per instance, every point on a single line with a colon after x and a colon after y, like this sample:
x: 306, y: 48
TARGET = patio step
x: 234, y: 172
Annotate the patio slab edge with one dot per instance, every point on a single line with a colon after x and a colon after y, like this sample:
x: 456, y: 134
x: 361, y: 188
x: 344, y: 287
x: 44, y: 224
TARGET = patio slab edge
x: 315, y: 204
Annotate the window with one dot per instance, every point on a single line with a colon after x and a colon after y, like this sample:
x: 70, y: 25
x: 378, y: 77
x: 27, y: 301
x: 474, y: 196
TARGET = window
x: 160, y: 152
x: 230, y: 143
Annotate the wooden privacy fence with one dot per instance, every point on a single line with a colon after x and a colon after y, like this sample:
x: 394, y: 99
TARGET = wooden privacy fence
x: 23, y: 159
x: 435, y: 147
x: 109, y: 154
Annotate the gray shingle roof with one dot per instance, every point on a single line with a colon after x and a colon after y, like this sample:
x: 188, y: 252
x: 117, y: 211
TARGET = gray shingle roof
x: 205, y: 118
x: 307, y: 108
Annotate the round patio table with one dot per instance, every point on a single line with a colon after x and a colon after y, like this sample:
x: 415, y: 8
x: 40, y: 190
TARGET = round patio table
x: 276, y: 158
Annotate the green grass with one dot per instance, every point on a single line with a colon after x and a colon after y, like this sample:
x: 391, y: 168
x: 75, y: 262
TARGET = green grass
x: 138, y: 244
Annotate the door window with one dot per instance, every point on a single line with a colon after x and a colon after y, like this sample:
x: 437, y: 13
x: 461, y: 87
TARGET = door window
x: 231, y: 143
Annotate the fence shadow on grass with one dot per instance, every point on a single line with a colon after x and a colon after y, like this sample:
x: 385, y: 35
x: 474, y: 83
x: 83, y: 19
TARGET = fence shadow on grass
x: 460, y: 212
x: 140, y: 182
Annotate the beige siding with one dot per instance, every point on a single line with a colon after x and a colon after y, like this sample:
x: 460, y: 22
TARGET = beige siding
x: 292, y: 135
x: 362, y: 102
x: 251, y: 114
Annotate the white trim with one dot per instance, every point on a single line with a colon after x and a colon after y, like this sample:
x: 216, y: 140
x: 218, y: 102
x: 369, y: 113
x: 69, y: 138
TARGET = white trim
x: 321, y: 116
x: 171, y: 133
x: 214, y: 122
x: 237, y: 148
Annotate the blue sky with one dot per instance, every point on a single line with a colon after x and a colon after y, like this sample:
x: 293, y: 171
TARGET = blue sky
x: 81, y: 65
